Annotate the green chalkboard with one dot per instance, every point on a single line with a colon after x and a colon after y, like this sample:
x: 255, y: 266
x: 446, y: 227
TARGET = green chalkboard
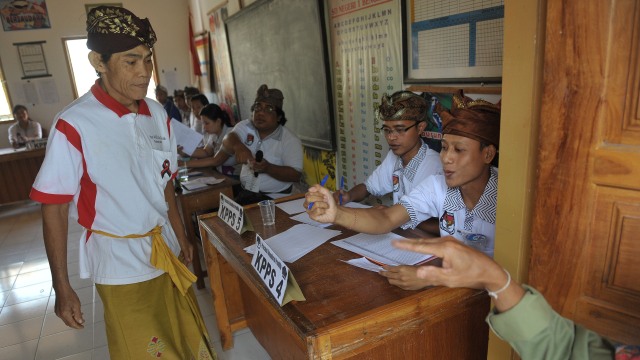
x: 282, y: 43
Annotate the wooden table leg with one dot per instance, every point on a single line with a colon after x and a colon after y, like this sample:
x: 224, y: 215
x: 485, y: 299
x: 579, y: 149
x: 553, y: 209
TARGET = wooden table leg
x: 191, y: 235
x: 217, y: 292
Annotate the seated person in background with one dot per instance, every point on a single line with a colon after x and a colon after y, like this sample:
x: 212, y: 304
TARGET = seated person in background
x: 181, y: 103
x: 521, y: 316
x: 162, y: 95
x: 409, y: 159
x: 463, y: 198
x: 264, y: 135
x: 197, y: 102
x: 24, y: 129
x: 216, y: 124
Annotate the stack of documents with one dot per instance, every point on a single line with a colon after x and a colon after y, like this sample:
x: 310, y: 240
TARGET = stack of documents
x: 296, y: 242
x: 200, y: 182
x: 377, y: 250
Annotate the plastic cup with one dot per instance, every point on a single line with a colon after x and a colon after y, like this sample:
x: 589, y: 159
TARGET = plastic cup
x: 183, y: 174
x: 268, y: 212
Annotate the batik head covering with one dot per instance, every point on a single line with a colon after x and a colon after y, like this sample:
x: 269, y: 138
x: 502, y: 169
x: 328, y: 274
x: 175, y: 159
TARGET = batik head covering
x: 112, y: 29
x: 475, y: 119
x: 273, y: 97
x: 403, y: 105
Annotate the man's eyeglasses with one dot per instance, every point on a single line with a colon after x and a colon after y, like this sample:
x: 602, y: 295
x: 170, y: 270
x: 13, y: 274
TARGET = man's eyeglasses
x: 260, y: 107
x: 396, y: 131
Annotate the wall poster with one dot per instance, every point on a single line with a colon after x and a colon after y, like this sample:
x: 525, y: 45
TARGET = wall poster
x: 225, y: 86
x: 366, y: 63
x: 453, y: 40
x: 32, y: 59
x: 24, y: 15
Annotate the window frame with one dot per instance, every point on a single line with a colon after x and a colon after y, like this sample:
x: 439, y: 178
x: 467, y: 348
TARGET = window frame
x: 5, y: 118
x: 72, y: 79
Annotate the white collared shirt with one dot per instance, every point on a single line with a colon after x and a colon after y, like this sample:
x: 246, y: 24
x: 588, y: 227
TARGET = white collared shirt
x: 282, y: 147
x: 113, y: 165
x: 432, y: 198
x: 391, y: 176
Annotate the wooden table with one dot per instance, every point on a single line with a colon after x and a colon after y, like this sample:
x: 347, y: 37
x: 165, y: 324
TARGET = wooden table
x: 192, y: 202
x: 349, y: 312
x: 18, y: 170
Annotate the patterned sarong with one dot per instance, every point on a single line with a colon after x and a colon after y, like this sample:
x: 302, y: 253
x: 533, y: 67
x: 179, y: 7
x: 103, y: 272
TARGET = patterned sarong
x: 158, y: 318
x: 152, y: 319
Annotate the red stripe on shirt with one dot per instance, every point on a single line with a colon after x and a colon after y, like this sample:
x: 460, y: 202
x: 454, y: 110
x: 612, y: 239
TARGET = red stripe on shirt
x: 45, y: 198
x: 88, y: 190
x: 114, y: 105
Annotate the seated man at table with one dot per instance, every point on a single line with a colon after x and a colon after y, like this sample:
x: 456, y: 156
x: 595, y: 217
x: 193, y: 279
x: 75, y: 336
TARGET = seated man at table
x: 409, y: 160
x: 24, y: 129
x: 463, y: 198
x: 270, y: 154
x: 162, y: 95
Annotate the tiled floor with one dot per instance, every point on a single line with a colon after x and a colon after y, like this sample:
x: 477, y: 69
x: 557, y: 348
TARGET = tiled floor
x: 29, y: 328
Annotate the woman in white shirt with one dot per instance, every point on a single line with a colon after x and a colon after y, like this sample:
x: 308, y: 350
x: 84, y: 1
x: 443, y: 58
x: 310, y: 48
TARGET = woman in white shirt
x: 216, y: 123
x: 24, y: 129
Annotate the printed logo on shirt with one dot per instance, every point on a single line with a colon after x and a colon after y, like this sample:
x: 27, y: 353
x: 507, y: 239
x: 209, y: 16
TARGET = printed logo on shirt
x: 476, y: 241
x: 448, y: 222
x: 396, y: 182
x: 158, y: 139
x: 249, y: 139
x: 165, y: 168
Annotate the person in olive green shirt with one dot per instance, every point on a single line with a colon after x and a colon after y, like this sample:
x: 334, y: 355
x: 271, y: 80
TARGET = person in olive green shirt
x: 521, y: 316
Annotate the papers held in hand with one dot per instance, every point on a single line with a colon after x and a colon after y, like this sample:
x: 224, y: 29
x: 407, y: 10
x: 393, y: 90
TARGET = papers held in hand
x: 199, y: 183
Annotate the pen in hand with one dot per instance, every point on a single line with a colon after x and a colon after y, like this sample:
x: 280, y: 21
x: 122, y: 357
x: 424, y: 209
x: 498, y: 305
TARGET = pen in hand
x: 341, y: 188
x: 324, y: 181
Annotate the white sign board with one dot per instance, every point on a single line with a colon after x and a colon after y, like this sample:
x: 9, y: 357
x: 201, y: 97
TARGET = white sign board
x: 273, y: 272
x: 231, y: 213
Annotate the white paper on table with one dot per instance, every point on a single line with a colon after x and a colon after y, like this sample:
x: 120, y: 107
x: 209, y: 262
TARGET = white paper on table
x: 296, y: 242
x: 186, y: 137
x: 363, y: 263
x: 193, y: 185
x: 304, y: 218
x: 276, y: 196
x: 200, y: 182
x: 292, y: 207
x: 356, y: 205
x: 210, y: 180
x: 379, y: 249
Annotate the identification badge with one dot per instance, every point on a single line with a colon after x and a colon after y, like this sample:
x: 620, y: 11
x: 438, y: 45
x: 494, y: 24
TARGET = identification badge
x: 231, y: 213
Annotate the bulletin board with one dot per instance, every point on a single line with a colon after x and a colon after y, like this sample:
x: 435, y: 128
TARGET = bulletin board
x: 282, y: 43
x: 452, y: 40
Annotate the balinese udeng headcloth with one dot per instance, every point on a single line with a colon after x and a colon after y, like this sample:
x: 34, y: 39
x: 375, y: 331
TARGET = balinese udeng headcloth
x: 273, y: 97
x: 112, y: 29
x: 403, y: 105
x: 476, y: 119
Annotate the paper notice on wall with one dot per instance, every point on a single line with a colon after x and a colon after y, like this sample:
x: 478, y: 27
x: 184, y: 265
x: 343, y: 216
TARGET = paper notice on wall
x: 48, y: 91
x: 30, y: 93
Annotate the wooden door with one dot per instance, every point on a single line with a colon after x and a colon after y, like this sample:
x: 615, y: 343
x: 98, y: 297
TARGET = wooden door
x: 586, y: 229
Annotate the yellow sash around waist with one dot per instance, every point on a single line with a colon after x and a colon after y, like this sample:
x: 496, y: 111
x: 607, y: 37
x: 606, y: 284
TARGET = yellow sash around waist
x: 163, y: 258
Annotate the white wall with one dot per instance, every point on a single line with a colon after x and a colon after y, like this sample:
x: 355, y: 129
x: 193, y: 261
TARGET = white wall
x: 204, y: 7
x: 169, y: 19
